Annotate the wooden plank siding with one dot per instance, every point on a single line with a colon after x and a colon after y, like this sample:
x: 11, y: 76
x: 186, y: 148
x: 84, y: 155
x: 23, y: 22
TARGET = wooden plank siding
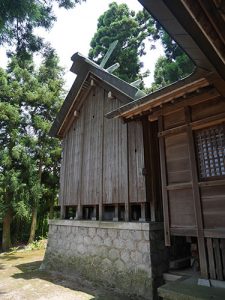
x: 137, y: 192
x: 103, y: 159
x: 195, y: 206
x: 115, y: 170
x: 91, y: 187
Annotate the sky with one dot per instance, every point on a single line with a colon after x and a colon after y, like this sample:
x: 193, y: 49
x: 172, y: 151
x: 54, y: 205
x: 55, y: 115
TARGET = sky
x: 74, y: 30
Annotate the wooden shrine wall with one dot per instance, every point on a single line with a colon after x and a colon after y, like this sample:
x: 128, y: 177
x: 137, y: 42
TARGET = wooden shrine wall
x: 192, y: 151
x: 103, y: 158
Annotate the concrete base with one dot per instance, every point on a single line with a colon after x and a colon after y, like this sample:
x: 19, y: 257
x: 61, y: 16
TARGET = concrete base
x: 124, y: 255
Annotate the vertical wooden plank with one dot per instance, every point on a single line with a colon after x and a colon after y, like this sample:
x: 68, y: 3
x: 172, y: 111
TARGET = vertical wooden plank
x: 219, y: 271
x: 115, y: 182
x: 92, y: 148
x: 61, y: 181
x: 137, y: 188
x: 196, y: 195
x: 164, y: 184
x: 65, y: 177
x: 212, y: 270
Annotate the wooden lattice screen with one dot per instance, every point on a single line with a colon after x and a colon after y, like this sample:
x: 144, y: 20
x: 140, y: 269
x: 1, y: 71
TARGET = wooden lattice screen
x: 210, y: 145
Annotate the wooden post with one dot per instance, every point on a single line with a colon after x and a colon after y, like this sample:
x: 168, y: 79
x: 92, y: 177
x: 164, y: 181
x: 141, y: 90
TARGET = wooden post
x: 164, y: 184
x: 143, y: 213
x: 100, y: 212
x: 62, y: 212
x: 196, y: 196
x: 116, y: 217
x: 94, y: 213
x: 79, y: 212
x: 127, y: 212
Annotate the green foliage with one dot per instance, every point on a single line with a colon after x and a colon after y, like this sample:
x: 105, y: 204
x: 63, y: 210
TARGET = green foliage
x: 172, y: 67
x: 29, y: 158
x: 36, y: 245
x: 131, y: 30
x: 20, y: 18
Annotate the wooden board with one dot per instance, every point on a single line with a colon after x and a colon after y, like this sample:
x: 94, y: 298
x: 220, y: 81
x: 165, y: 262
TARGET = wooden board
x: 181, y: 208
x: 213, y: 206
x: 137, y: 191
x: 207, y: 109
x: 115, y: 169
x: 174, y: 119
x: 91, y: 173
x: 178, y: 165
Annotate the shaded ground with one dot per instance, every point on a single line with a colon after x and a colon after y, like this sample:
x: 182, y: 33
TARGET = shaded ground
x: 20, y: 278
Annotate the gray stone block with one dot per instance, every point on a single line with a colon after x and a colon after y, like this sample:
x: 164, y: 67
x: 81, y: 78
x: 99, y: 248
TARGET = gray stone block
x: 112, y: 233
x: 114, y: 254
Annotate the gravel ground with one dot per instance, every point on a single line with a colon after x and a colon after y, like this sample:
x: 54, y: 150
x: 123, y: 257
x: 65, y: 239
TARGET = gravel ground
x: 20, y: 278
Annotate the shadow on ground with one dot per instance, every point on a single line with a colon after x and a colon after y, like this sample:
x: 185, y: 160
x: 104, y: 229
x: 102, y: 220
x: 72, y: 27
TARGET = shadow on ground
x: 31, y: 271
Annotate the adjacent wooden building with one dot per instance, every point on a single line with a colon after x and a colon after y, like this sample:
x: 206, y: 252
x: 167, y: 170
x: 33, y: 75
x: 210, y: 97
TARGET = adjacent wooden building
x: 190, y: 119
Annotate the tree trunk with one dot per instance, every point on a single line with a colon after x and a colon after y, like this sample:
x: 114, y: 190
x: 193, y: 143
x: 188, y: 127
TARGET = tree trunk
x: 6, y: 235
x: 33, y: 225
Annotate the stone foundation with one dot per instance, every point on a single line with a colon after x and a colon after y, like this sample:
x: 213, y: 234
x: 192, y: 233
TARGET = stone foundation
x: 117, y: 254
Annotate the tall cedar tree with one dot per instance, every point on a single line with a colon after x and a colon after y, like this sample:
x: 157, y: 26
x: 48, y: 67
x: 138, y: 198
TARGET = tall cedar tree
x: 131, y: 30
x: 29, y: 158
x: 174, y: 65
x: 19, y: 19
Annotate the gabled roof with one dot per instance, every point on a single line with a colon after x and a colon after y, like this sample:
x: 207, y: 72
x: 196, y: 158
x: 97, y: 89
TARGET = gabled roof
x: 86, y: 71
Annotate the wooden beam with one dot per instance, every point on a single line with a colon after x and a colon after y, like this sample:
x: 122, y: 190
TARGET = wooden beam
x: 203, y: 123
x: 166, y: 97
x: 179, y: 186
x: 209, y: 121
x: 172, y: 131
x: 218, y: 82
x: 164, y: 184
x: 215, y: 19
x: 207, y: 94
x: 196, y: 197
x: 212, y: 183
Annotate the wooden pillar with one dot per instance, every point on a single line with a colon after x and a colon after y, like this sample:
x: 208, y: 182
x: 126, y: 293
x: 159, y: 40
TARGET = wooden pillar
x: 94, y: 217
x: 143, y: 213
x: 196, y: 196
x: 116, y: 215
x: 164, y: 183
x: 62, y: 212
x: 100, y: 212
x: 79, y: 212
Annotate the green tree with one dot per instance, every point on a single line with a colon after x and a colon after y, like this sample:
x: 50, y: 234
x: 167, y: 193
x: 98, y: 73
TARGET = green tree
x: 172, y: 67
x: 12, y: 156
x: 19, y: 19
x: 131, y: 30
x: 33, y: 98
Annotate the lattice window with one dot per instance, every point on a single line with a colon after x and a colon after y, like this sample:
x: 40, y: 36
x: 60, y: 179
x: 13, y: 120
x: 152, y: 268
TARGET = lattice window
x: 210, y: 145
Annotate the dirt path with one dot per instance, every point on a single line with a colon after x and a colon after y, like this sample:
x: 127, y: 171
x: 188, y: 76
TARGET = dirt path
x: 20, y: 278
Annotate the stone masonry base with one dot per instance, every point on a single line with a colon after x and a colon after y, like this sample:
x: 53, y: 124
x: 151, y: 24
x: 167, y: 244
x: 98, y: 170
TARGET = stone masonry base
x: 115, y: 254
